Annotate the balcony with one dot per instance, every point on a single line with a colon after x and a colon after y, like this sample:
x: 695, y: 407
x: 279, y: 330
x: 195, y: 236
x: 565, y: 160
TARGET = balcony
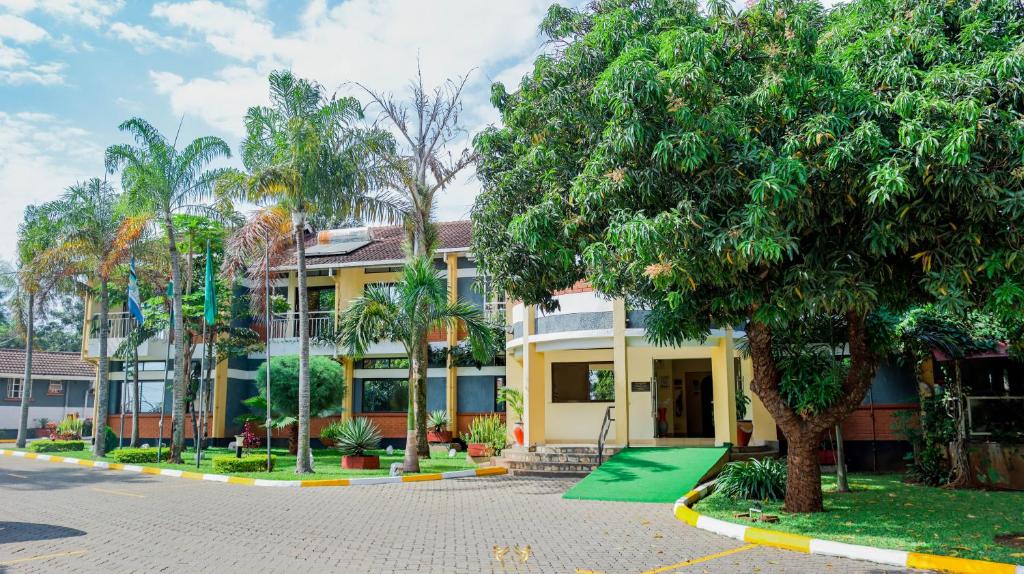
x: 286, y: 325
x: 119, y: 325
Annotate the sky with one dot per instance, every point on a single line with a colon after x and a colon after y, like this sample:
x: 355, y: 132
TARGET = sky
x: 72, y: 70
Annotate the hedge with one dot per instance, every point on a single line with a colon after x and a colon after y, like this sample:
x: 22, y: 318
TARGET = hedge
x: 129, y: 455
x: 56, y: 445
x: 248, y: 463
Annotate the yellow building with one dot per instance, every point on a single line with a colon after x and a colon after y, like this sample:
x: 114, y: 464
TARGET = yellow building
x: 591, y: 359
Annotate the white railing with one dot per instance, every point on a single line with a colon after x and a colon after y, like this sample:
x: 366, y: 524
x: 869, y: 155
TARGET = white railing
x: 120, y: 325
x: 286, y: 325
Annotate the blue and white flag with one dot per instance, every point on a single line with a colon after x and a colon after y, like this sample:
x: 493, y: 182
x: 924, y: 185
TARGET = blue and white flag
x: 134, y: 303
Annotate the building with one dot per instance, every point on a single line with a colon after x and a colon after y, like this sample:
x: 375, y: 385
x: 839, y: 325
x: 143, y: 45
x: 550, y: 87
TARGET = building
x: 340, y: 264
x: 62, y: 385
x: 587, y: 361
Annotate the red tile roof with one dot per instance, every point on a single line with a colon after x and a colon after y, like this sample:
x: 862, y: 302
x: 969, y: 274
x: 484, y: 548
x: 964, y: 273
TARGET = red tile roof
x: 386, y: 244
x: 45, y: 363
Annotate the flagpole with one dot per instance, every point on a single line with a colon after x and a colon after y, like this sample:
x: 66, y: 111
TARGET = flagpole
x: 202, y: 367
x: 266, y: 297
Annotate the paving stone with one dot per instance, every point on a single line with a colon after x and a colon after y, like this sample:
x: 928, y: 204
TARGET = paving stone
x: 140, y: 523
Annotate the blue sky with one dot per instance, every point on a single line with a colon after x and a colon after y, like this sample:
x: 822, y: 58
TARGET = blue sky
x: 72, y: 70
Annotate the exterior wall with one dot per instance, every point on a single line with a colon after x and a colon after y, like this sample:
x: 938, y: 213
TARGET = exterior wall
x: 149, y: 426
x: 43, y: 405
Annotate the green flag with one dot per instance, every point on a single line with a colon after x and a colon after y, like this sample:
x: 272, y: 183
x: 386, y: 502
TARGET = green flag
x: 210, y: 298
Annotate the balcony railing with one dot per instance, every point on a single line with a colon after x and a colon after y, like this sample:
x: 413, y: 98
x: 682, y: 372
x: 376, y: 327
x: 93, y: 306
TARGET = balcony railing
x: 286, y: 325
x: 494, y: 309
x: 120, y: 324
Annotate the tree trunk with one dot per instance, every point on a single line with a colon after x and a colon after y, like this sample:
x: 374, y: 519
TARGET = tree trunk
x: 803, y: 431
x: 842, y: 484
x: 302, y: 464
x: 422, y: 446
x: 411, y: 462
x: 103, y: 382
x: 803, y: 481
x: 959, y: 455
x: 293, y: 439
x: 136, y: 399
x: 180, y: 368
x: 26, y: 386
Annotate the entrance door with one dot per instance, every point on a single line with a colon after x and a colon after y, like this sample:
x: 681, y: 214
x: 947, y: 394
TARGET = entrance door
x: 681, y: 395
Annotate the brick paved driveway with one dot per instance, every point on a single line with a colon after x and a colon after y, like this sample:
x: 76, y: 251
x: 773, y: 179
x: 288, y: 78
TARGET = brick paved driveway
x: 58, y: 518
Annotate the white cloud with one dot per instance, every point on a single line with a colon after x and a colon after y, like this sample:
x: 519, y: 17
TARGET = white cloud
x: 143, y: 39
x: 18, y: 29
x: 90, y: 13
x: 17, y: 68
x: 374, y: 42
x: 42, y: 156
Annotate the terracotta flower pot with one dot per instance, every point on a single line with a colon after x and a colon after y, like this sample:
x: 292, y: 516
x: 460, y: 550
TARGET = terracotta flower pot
x: 327, y: 442
x: 744, y: 431
x: 42, y: 433
x: 360, y: 462
x: 478, y: 449
x: 439, y: 436
x: 517, y: 432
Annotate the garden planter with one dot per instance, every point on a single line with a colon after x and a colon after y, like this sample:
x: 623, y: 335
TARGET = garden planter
x: 478, y: 449
x: 744, y: 430
x: 327, y: 442
x: 439, y: 436
x: 517, y: 432
x: 360, y: 462
x: 42, y: 433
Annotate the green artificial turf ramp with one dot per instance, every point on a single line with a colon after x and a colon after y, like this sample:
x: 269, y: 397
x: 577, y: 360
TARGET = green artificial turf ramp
x: 647, y: 474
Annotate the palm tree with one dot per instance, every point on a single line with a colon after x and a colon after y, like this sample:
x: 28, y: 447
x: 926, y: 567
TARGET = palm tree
x: 421, y: 167
x: 93, y: 237
x: 160, y: 180
x: 415, y: 305
x: 305, y: 155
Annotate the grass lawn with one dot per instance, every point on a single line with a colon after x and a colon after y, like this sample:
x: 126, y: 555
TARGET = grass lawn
x: 327, y: 463
x: 883, y: 511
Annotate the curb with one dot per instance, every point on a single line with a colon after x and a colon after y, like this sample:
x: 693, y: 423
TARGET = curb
x: 787, y: 541
x: 468, y: 473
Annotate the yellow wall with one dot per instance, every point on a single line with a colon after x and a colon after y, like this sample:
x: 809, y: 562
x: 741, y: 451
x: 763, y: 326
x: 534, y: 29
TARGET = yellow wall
x: 575, y: 422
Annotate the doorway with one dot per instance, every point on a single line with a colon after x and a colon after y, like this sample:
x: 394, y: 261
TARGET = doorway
x: 683, y: 393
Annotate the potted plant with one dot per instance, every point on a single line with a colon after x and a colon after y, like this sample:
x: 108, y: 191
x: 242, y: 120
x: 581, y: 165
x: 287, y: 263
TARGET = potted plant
x: 438, y: 423
x: 514, y: 399
x: 486, y: 437
x: 41, y: 427
x: 69, y: 429
x: 329, y: 434
x: 354, y: 439
x: 744, y: 428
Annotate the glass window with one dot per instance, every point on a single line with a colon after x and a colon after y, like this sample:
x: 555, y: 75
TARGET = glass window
x: 385, y: 363
x: 385, y: 395
x: 150, y: 395
x: 582, y: 382
x: 14, y: 388
x: 499, y: 383
x: 55, y: 388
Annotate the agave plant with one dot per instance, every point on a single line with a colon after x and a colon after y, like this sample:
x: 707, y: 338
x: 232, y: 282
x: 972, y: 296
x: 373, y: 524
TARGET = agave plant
x: 438, y: 420
x: 354, y: 437
x: 753, y: 480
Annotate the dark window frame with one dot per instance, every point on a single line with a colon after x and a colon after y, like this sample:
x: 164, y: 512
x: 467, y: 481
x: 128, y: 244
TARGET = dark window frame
x: 589, y: 391
x: 368, y: 382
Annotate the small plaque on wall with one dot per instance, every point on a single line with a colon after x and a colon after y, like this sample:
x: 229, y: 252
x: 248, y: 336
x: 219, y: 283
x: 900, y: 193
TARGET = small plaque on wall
x: 641, y: 386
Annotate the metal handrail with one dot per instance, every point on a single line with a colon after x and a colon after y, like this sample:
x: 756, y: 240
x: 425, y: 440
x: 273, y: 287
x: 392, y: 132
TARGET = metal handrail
x: 286, y: 325
x: 606, y: 425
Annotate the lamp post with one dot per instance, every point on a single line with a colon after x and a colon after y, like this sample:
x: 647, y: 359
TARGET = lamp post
x: 266, y: 297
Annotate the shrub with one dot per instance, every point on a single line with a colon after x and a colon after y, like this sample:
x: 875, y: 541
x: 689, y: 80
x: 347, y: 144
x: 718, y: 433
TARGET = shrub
x: 129, y: 455
x: 249, y: 437
x: 438, y: 420
x: 355, y: 437
x: 69, y: 429
x: 489, y: 430
x: 753, y: 480
x: 514, y: 399
x: 56, y: 445
x: 248, y: 463
x: 110, y: 441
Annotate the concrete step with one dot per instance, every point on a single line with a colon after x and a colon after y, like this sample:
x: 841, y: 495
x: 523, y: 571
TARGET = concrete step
x: 548, y: 473
x: 551, y: 457
x: 553, y: 466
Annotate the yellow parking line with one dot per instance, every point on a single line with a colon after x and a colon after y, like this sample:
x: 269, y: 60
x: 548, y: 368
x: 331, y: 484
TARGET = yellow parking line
x: 118, y: 492
x: 701, y: 559
x: 43, y: 557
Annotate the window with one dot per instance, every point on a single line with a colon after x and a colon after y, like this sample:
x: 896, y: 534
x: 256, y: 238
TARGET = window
x: 388, y: 286
x: 55, y: 388
x: 499, y: 383
x: 385, y: 363
x: 149, y: 395
x: 582, y: 382
x: 14, y: 387
x: 385, y: 395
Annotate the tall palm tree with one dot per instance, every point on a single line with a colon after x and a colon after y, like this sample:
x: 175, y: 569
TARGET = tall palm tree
x: 420, y: 166
x: 93, y: 237
x: 161, y: 181
x: 305, y: 154
x: 417, y: 304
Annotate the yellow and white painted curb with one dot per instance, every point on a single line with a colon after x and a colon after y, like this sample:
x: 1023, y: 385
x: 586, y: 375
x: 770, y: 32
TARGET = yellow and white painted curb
x: 468, y: 473
x: 900, y: 558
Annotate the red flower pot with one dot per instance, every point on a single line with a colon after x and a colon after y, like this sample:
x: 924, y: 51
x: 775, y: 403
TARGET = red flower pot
x: 439, y: 436
x: 478, y: 449
x: 327, y: 442
x: 360, y: 462
x: 42, y: 433
x: 743, y: 433
x: 517, y: 432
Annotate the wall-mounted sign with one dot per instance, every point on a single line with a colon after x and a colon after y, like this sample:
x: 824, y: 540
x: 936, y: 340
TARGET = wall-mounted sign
x: 641, y: 386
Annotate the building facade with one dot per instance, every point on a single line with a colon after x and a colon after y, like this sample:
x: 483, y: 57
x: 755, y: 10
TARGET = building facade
x: 62, y: 385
